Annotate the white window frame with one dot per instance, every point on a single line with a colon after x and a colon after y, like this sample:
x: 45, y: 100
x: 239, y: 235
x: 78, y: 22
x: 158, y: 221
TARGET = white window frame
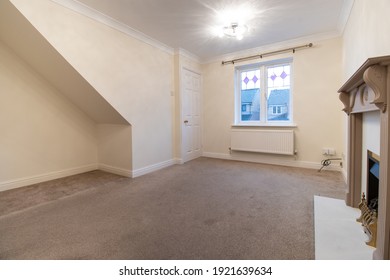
x: 263, y: 99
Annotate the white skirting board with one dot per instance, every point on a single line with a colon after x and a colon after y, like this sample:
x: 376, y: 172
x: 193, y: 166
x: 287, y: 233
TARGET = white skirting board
x: 270, y: 159
x: 154, y: 167
x: 26, y: 181
x: 115, y: 170
x: 337, y: 234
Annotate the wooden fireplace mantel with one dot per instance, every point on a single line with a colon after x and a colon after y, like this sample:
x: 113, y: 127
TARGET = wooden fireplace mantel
x: 368, y: 89
x: 370, y: 84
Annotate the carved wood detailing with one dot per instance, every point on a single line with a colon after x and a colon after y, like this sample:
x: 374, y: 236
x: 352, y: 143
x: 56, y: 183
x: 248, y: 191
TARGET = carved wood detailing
x: 344, y: 98
x: 364, y: 95
x: 376, y: 78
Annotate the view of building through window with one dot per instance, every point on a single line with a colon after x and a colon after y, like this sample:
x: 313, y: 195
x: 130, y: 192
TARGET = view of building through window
x: 265, y: 94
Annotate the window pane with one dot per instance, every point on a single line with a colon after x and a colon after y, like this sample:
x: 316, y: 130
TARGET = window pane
x: 278, y: 93
x: 250, y: 105
x: 250, y: 79
x: 250, y: 95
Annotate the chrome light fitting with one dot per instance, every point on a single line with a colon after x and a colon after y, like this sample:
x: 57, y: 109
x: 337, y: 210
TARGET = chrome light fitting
x: 234, y: 30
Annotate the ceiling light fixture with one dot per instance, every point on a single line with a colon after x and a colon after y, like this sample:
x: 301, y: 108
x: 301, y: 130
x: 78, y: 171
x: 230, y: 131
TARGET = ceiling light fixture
x: 234, y: 30
x: 231, y: 22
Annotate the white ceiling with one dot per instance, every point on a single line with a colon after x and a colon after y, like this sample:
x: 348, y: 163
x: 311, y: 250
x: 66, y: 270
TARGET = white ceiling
x: 187, y: 24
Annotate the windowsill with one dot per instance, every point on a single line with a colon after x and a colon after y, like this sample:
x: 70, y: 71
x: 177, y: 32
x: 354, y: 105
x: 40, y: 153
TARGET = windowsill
x: 265, y: 125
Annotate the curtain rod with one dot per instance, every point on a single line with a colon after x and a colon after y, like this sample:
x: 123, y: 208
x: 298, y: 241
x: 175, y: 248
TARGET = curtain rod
x: 266, y: 54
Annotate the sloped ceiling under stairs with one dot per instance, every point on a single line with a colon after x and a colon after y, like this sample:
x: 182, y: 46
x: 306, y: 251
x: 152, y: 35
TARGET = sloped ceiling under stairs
x: 32, y: 47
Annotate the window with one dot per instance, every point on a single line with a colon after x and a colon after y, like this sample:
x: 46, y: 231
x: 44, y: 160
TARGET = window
x: 263, y: 93
x: 276, y: 110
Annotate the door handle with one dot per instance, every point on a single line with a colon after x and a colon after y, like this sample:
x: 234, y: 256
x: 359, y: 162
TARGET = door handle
x: 185, y: 122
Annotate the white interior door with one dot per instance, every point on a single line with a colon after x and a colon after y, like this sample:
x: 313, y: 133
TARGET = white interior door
x: 191, y: 115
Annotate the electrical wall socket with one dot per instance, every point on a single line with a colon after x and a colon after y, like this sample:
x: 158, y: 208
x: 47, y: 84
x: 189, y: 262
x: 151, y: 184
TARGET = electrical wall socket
x: 328, y: 151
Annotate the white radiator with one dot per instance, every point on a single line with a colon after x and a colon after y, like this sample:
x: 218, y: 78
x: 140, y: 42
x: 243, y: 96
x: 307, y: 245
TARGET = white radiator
x: 263, y: 141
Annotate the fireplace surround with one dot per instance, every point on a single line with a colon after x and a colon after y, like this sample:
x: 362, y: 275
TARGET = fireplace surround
x: 368, y: 89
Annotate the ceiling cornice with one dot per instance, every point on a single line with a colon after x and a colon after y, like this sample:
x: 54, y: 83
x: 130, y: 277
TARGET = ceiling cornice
x: 187, y: 54
x: 344, y: 15
x: 87, y: 11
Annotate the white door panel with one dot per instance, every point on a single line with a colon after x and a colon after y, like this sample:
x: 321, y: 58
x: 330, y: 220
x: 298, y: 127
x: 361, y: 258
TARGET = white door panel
x: 191, y: 115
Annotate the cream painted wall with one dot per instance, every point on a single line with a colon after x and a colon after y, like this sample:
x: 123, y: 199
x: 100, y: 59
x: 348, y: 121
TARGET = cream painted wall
x: 364, y: 37
x: 317, y: 110
x: 134, y: 77
x: 218, y: 107
x: 43, y: 135
x: 33, y: 48
x: 367, y: 24
x: 114, y: 148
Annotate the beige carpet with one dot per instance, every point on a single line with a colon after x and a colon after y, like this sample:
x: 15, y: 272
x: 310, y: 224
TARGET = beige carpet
x: 205, y: 209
